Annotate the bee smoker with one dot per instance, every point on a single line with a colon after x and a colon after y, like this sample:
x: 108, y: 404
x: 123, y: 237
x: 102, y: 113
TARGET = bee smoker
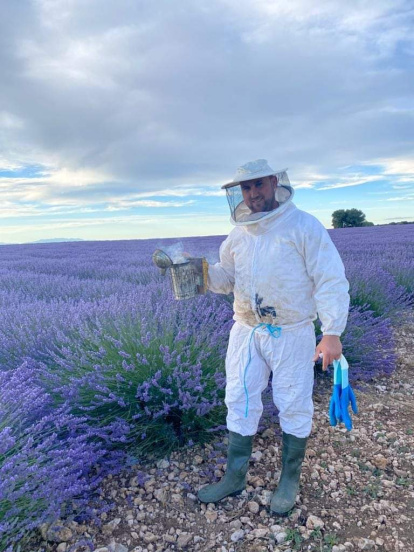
x: 188, y: 278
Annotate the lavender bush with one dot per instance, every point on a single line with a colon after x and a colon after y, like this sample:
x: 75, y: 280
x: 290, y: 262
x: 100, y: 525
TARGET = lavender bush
x: 379, y: 266
x: 98, y: 362
x: 157, y: 366
x: 48, y: 456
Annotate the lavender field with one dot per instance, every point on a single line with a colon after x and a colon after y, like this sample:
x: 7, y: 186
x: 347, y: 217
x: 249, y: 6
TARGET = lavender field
x: 99, y: 365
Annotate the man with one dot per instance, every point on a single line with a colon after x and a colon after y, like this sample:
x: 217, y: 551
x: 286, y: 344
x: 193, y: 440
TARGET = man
x: 284, y: 270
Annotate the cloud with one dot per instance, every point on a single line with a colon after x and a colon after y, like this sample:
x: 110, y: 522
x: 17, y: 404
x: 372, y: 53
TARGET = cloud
x: 122, y: 205
x: 129, y: 100
x: 401, y: 198
x: 355, y: 180
x: 102, y: 90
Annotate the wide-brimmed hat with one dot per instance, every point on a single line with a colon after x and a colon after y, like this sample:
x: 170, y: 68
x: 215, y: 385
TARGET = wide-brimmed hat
x: 254, y: 169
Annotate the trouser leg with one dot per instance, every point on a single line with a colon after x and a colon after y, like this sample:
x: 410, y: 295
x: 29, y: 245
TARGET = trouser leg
x: 292, y: 380
x: 292, y: 385
x: 247, y: 375
x: 244, y: 409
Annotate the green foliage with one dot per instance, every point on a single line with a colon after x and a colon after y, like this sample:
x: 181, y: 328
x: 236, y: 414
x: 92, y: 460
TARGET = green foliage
x: 349, y: 217
x: 403, y: 481
x: 326, y: 542
x: 168, y: 390
x: 373, y: 490
x: 294, y: 537
x: 316, y: 534
x: 330, y: 540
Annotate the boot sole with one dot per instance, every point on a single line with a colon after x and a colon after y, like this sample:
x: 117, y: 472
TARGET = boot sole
x: 279, y: 514
x: 235, y: 493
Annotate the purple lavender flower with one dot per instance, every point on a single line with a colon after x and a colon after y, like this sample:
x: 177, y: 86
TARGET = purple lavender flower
x: 99, y: 363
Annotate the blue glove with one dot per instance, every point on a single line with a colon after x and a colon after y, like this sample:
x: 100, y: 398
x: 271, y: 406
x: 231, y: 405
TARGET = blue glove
x: 342, y: 395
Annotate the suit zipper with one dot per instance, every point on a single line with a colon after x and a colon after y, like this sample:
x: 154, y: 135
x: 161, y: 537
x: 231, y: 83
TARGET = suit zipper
x: 253, y: 272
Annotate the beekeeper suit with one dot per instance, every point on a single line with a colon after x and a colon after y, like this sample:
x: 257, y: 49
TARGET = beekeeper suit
x: 284, y: 270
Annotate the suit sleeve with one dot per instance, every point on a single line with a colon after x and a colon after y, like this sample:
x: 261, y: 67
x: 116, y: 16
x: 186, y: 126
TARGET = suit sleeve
x: 221, y: 274
x: 325, y: 267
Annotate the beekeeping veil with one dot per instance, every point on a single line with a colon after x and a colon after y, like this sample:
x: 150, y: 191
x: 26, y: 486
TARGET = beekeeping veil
x: 240, y: 213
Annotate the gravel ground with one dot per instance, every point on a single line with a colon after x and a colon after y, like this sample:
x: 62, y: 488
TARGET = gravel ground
x: 357, y: 489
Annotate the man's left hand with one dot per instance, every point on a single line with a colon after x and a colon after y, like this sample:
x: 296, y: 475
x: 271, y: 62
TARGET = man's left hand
x: 330, y: 347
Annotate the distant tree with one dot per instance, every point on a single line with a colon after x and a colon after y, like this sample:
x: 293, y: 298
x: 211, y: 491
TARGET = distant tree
x: 349, y: 217
x: 338, y: 218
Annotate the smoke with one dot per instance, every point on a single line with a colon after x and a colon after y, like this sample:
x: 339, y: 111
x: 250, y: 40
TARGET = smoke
x: 176, y: 253
x: 212, y: 256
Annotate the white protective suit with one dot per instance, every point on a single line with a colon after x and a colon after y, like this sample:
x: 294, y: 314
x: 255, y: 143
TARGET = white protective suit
x: 283, y: 271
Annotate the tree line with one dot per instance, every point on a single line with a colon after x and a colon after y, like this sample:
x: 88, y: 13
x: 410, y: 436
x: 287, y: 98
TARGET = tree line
x: 343, y: 218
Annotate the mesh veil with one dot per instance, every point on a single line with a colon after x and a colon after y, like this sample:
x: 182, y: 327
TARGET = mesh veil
x: 241, y: 214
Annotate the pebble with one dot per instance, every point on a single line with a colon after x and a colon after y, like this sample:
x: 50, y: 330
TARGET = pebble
x: 163, y: 464
x: 313, y: 522
x: 265, y: 497
x: 211, y: 515
x: 237, y: 535
x: 109, y: 528
x: 235, y: 524
x: 336, y: 525
x: 253, y: 507
x: 257, y: 456
x: 59, y: 534
x: 183, y: 540
x: 119, y: 548
x: 366, y: 544
x: 280, y: 537
x: 380, y: 461
x: 150, y: 537
x: 258, y: 483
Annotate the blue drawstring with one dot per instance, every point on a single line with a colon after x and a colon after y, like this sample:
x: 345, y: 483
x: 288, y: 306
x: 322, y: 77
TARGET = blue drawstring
x: 275, y: 332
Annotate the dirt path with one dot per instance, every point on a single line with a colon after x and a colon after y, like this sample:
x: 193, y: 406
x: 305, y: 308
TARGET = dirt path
x: 357, y: 489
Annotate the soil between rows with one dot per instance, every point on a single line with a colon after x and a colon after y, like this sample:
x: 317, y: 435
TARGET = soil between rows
x: 357, y: 488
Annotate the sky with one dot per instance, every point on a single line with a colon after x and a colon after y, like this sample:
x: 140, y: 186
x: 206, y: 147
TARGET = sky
x: 121, y: 120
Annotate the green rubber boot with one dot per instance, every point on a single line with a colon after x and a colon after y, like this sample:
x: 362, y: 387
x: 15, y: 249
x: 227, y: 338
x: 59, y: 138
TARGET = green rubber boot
x: 293, y: 453
x: 234, y: 480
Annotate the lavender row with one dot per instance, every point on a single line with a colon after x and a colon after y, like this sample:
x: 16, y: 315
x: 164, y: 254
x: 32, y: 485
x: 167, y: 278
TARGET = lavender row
x: 99, y: 364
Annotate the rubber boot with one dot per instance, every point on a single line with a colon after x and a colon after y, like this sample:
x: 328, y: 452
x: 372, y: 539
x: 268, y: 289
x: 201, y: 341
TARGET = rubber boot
x: 293, y: 453
x: 234, y: 480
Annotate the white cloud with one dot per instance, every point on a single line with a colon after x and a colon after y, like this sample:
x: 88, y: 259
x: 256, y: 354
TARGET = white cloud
x: 132, y: 101
x: 122, y: 205
x: 355, y: 180
x: 400, y: 166
x: 401, y: 198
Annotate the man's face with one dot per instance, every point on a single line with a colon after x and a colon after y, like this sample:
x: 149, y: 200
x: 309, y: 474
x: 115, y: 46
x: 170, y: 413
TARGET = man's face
x: 259, y: 194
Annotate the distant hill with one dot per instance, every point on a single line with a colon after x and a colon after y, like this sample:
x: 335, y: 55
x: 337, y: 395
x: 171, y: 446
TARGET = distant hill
x: 55, y: 240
